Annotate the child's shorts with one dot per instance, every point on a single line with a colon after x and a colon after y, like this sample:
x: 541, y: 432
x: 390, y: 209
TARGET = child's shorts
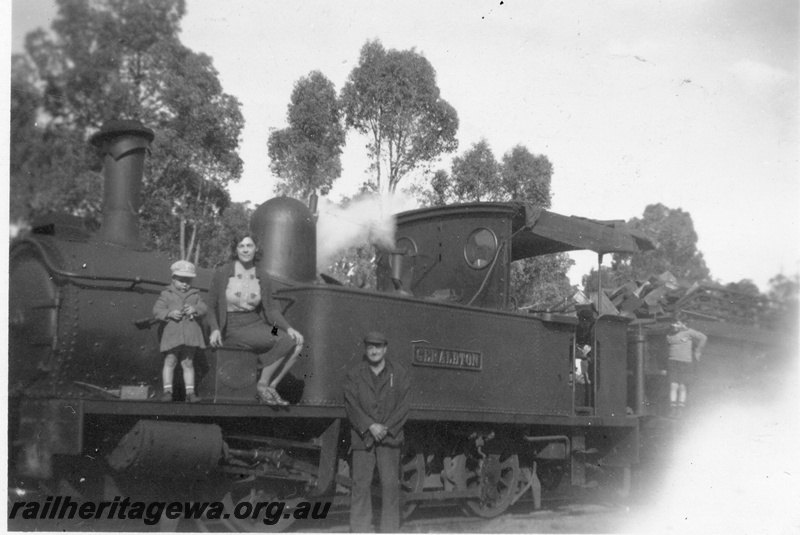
x: 680, y: 372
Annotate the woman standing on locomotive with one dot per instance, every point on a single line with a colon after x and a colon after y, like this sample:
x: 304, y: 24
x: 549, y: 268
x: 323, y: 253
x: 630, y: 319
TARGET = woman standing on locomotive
x: 242, y: 309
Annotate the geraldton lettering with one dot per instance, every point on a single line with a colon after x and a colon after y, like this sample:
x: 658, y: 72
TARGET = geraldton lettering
x: 447, y: 358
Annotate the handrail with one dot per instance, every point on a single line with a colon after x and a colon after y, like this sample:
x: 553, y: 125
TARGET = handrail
x: 45, y: 254
x: 488, y: 273
x: 73, y: 275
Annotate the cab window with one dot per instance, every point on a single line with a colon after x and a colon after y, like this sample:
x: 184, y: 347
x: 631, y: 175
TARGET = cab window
x: 480, y: 248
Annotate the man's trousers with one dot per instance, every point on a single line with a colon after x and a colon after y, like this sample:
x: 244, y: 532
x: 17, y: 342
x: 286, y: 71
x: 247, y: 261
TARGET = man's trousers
x: 388, y: 460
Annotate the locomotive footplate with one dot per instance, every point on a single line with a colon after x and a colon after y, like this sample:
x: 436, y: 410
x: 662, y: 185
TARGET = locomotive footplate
x: 207, y: 408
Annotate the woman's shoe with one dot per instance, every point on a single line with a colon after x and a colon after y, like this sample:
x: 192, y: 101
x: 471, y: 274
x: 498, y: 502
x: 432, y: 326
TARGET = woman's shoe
x: 267, y: 395
x: 277, y: 397
x: 282, y: 402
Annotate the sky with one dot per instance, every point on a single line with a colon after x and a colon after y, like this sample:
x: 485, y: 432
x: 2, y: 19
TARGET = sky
x: 692, y: 104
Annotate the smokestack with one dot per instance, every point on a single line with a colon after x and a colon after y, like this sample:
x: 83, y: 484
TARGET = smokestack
x: 123, y: 145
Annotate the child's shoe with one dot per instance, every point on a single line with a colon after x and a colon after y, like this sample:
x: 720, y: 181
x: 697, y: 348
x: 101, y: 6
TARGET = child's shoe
x: 166, y: 396
x: 191, y: 397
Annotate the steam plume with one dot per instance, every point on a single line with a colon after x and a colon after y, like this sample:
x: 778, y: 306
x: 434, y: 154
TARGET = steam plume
x: 367, y: 219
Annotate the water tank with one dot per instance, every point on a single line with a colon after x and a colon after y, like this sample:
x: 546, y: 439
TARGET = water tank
x: 286, y: 233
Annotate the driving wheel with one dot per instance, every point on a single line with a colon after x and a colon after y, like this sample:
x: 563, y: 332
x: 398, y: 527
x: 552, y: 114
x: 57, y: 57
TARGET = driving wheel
x: 497, y: 483
x: 412, y: 480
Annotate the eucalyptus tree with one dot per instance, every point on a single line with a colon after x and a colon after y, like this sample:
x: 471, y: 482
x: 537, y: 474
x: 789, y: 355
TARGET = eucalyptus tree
x: 524, y: 175
x: 677, y: 251
x: 123, y: 59
x: 475, y: 174
x: 306, y: 155
x: 392, y: 97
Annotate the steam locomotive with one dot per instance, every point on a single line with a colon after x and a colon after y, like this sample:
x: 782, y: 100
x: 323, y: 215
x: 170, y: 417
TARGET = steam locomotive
x: 496, y: 414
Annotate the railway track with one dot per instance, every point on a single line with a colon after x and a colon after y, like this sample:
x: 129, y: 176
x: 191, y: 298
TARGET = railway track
x: 557, y: 515
x: 552, y: 518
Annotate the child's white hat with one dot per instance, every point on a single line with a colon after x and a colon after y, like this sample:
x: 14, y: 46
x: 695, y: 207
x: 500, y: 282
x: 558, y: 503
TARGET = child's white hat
x: 182, y: 268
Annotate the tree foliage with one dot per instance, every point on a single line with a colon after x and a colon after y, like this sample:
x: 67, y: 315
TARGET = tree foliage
x: 234, y: 221
x: 783, y: 297
x: 541, y: 283
x: 744, y: 286
x: 524, y: 175
x: 305, y: 156
x: 356, y: 267
x: 610, y: 278
x: 49, y: 168
x: 676, y: 250
x: 437, y: 193
x: 392, y: 97
x: 475, y: 174
x: 122, y: 59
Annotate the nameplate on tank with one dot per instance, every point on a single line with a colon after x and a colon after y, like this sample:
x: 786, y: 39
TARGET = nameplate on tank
x: 456, y: 359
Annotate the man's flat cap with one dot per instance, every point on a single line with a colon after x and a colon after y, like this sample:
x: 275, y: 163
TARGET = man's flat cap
x: 375, y: 337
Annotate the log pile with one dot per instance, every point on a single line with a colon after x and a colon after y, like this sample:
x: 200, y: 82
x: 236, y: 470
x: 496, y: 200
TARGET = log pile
x: 662, y: 296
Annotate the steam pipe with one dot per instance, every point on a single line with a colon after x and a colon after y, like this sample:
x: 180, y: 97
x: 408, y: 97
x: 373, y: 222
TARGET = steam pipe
x: 313, y: 200
x: 595, y: 356
x: 549, y: 438
x: 397, y: 269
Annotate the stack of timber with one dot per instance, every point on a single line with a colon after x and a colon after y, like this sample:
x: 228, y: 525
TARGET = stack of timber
x: 662, y: 296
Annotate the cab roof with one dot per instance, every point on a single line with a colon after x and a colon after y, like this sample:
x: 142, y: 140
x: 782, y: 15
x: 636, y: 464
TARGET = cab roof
x: 536, y: 231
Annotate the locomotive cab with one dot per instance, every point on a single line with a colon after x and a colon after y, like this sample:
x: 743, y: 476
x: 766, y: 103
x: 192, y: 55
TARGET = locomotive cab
x: 463, y: 253
x: 456, y: 253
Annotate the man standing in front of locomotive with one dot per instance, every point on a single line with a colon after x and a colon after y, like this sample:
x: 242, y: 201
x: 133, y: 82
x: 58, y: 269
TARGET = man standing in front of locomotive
x: 685, y: 348
x: 376, y: 400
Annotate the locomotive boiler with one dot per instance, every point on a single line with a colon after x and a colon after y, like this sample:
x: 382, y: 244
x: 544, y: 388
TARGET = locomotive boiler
x: 496, y: 411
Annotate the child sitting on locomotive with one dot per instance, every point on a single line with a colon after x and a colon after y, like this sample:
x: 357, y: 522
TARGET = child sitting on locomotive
x: 180, y: 306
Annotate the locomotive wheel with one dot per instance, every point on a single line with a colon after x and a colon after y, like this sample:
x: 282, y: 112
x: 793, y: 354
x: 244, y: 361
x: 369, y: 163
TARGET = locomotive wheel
x: 498, y: 483
x: 237, y: 501
x: 412, y: 480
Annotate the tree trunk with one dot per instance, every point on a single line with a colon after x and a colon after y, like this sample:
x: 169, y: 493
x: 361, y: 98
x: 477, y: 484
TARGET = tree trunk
x: 191, y: 242
x: 183, y: 238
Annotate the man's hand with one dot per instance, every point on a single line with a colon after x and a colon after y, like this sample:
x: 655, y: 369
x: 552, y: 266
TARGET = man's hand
x: 378, y: 431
